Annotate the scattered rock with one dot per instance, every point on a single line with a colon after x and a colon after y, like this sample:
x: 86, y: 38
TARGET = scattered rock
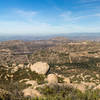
x: 24, y: 80
x: 5, y: 95
x: 14, y: 69
x: 32, y: 82
x: 40, y: 67
x: 20, y: 65
x: 89, y: 84
x: 52, y: 79
x: 97, y: 87
x: 29, y: 92
x: 67, y: 80
x: 83, y: 86
x: 80, y: 87
x: 97, y: 75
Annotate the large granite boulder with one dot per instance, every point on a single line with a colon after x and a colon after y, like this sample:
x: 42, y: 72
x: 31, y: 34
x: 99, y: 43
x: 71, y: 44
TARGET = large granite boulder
x: 52, y: 79
x: 40, y: 67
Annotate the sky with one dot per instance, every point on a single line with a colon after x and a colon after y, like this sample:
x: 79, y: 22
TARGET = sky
x: 43, y: 17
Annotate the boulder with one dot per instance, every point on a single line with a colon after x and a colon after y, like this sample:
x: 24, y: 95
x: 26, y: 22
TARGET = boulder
x: 14, y: 69
x: 89, y: 85
x: 40, y: 67
x: 97, y: 87
x: 20, y: 66
x: 67, y: 80
x: 52, y: 79
x: 32, y: 82
x: 29, y: 92
x: 80, y: 87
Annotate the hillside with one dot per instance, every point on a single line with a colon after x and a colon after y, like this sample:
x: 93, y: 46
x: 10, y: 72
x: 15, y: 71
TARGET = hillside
x: 53, y: 69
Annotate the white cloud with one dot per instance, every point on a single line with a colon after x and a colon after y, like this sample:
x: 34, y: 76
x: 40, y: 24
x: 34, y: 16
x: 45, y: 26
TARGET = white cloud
x: 26, y: 13
x: 97, y: 15
x: 76, y: 17
x: 88, y: 1
x: 69, y: 18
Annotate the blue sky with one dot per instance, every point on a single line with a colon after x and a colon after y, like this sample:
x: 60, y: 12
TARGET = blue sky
x: 49, y: 16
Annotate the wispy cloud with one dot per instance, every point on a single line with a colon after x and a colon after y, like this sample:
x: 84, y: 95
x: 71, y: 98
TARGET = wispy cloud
x: 97, y: 15
x: 69, y: 22
x: 26, y: 13
x: 74, y: 17
x: 89, y: 1
x: 68, y: 16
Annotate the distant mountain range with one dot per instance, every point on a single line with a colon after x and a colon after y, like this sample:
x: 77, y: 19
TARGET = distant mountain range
x: 73, y: 36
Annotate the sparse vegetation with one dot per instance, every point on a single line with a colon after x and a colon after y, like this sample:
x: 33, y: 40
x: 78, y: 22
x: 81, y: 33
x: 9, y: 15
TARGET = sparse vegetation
x: 84, y: 68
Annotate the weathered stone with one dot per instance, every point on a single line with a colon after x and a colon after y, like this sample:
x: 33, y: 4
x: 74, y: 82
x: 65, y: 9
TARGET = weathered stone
x: 80, y: 87
x: 14, y: 69
x: 40, y: 67
x: 29, y: 92
x: 97, y: 87
x: 52, y: 79
x: 89, y: 85
x: 32, y: 82
x: 20, y: 66
x: 67, y: 80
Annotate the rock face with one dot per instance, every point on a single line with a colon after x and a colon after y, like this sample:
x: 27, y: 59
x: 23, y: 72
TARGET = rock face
x: 52, y: 79
x: 29, y: 92
x: 40, y: 67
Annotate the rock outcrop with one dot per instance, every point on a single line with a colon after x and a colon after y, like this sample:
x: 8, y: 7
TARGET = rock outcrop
x: 66, y: 80
x: 52, y: 79
x: 29, y: 92
x: 40, y: 67
x: 80, y: 87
